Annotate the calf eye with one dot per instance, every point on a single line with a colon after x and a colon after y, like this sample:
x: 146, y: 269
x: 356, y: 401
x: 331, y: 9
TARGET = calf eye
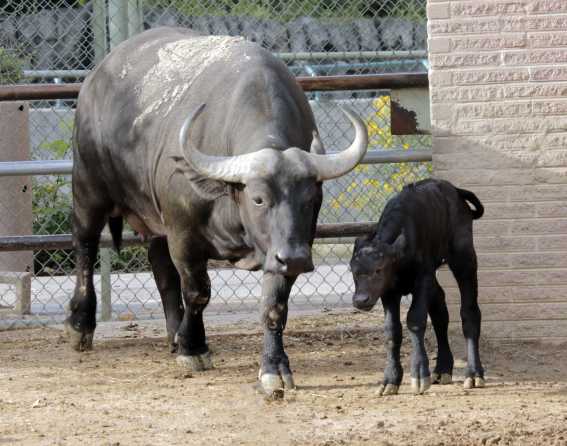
x: 258, y: 201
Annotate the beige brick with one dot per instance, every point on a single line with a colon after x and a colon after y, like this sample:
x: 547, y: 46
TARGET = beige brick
x: 493, y: 110
x: 509, y: 126
x: 550, y: 107
x: 438, y: 11
x: 533, y: 23
x: 477, y: 161
x: 464, y: 60
x: 440, y: 79
x: 509, y: 295
x: 479, y: 8
x: 551, y: 175
x: 492, y: 227
x: 548, y: 74
x: 533, y: 312
x: 496, y: 176
x: 491, y: 76
x: 543, y: 330
x: 442, y: 111
x: 504, y: 243
x: 547, y: 39
x: 552, y: 243
x: 546, y: 6
x: 538, y: 226
x: 496, y: 92
x: 552, y: 158
x: 489, y: 42
x: 439, y: 45
x: 473, y: 26
x: 553, y: 209
x: 543, y: 192
x: 535, y: 57
x: 510, y: 210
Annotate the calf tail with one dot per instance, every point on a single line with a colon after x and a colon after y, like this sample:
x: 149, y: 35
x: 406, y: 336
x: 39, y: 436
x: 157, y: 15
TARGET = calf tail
x: 115, y: 224
x: 467, y: 195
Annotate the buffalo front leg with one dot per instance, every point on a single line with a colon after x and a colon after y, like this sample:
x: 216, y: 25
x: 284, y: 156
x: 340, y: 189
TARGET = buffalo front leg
x: 393, y: 373
x: 417, y: 323
x: 169, y: 286
x: 193, y: 351
x: 275, y: 373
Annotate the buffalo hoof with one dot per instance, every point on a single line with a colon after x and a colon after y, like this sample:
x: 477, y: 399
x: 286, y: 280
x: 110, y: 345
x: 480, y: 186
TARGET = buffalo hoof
x: 273, y: 386
x: 388, y: 389
x: 420, y: 385
x: 196, y: 363
x: 79, y: 341
x: 472, y: 383
x: 441, y: 378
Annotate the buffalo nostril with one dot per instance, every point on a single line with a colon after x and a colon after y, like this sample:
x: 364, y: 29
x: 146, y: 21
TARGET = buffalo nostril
x: 280, y: 260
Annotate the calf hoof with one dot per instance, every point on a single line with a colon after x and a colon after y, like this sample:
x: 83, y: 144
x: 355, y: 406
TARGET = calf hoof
x: 420, y: 385
x: 473, y: 382
x: 388, y: 389
x: 79, y: 341
x: 441, y: 378
x: 273, y: 385
x: 195, y: 363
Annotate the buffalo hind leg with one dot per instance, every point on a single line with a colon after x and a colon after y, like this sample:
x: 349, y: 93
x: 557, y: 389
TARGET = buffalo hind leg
x: 275, y: 372
x: 393, y: 373
x: 443, y: 372
x: 169, y: 287
x: 81, y: 322
x: 463, y: 264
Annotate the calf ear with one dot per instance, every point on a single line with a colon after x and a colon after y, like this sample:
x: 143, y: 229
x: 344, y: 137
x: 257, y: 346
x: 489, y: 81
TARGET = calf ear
x: 206, y: 188
x: 399, y: 245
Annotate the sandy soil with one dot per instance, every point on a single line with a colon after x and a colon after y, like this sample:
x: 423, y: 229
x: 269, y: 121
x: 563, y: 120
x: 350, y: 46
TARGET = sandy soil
x: 129, y: 391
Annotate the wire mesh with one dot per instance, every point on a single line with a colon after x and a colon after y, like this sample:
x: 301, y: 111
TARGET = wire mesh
x: 60, y: 41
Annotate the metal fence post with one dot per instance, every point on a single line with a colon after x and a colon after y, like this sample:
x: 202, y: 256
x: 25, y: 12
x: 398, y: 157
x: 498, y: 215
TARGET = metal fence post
x: 105, y: 285
x: 99, y: 29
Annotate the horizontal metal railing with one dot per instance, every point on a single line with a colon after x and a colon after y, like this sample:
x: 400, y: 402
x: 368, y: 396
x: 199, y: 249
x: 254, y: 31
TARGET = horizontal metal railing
x: 32, y: 92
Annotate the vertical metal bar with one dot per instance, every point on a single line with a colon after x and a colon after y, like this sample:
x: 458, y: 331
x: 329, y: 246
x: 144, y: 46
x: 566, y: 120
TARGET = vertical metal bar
x: 105, y: 285
x: 135, y: 17
x: 117, y: 21
x: 99, y: 29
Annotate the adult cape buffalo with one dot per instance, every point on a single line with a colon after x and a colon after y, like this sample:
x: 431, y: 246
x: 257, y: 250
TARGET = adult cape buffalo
x: 208, y: 146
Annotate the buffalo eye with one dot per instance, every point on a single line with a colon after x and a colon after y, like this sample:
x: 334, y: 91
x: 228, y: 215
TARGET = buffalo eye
x: 258, y: 201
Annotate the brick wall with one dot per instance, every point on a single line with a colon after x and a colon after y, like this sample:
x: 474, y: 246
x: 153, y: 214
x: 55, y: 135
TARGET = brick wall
x: 498, y: 86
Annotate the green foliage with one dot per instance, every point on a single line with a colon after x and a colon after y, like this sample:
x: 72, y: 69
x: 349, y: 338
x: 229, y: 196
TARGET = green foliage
x: 10, y: 67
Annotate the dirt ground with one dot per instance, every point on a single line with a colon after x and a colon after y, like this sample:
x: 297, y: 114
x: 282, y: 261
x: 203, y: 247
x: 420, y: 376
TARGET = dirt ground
x: 130, y: 391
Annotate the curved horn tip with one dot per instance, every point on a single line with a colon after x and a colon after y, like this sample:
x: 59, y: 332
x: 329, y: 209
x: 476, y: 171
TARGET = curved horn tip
x: 189, y: 122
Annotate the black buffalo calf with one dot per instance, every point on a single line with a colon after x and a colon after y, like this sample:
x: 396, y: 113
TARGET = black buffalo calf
x: 428, y: 224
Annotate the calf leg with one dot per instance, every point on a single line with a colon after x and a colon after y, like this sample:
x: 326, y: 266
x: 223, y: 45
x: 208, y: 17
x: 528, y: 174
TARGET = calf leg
x: 463, y: 264
x: 393, y: 373
x: 417, y: 323
x: 169, y: 287
x: 443, y: 373
x: 275, y: 373
x: 88, y: 223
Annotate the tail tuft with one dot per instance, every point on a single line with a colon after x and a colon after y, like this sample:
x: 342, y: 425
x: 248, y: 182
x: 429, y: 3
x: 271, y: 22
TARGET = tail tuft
x: 467, y: 195
x: 116, y: 224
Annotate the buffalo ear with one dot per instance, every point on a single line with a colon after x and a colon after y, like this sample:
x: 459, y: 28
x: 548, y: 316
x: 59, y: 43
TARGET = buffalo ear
x: 399, y: 245
x: 204, y: 187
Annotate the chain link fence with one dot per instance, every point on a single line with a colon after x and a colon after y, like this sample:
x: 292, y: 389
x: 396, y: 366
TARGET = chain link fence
x: 60, y: 41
